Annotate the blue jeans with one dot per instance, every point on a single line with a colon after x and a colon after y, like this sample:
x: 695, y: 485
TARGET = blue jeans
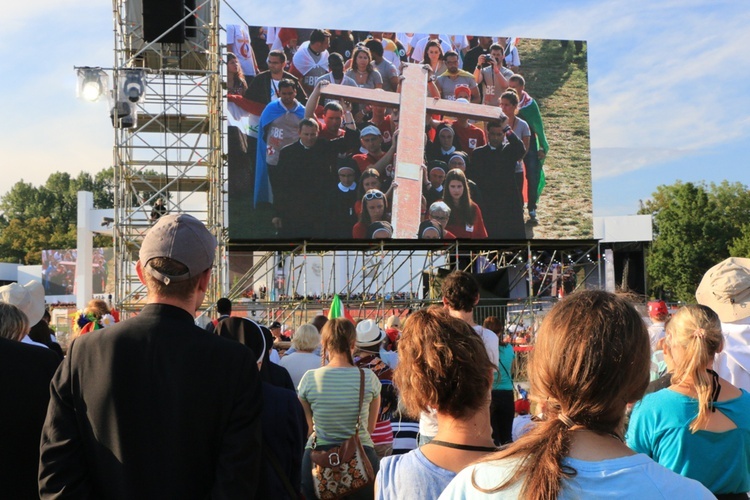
x: 308, y: 487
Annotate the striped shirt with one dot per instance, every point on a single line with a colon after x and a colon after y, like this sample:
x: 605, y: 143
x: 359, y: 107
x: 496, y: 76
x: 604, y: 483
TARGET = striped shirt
x: 333, y: 394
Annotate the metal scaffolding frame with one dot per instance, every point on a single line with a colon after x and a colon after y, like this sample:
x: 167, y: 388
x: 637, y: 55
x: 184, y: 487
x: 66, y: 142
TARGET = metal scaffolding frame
x: 369, y: 287
x: 174, y: 150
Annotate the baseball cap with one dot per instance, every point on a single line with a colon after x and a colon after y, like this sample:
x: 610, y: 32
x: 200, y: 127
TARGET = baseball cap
x: 462, y: 90
x: 369, y: 130
x: 657, y: 307
x: 180, y: 237
x: 725, y: 288
x: 273, y: 325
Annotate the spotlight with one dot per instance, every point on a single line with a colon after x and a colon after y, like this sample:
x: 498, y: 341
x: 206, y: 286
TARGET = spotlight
x: 134, y: 85
x: 92, y: 83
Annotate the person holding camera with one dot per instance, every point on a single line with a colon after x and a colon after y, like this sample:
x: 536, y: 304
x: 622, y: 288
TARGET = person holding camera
x: 491, y: 75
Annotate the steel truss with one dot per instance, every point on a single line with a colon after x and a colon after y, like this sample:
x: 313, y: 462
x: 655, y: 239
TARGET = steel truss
x: 376, y: 283
x: 173, y: 153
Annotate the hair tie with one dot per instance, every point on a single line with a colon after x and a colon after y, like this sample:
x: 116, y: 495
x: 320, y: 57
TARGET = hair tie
x: 700, y: 333
x: 566, y: 420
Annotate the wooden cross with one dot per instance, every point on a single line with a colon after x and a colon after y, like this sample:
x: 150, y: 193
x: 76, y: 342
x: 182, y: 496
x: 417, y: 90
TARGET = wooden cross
x: 413, y: 105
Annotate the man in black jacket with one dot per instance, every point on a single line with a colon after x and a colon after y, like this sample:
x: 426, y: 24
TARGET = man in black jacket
x: 493, y: 169
x: 154, y: 407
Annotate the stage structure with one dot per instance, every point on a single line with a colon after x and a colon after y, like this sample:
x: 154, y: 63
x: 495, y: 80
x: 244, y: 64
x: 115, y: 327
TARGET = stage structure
x: 167, y: 112
x: 293, y: 286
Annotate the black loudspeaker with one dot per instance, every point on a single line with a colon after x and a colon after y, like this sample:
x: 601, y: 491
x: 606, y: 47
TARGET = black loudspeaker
x: 159, y: 16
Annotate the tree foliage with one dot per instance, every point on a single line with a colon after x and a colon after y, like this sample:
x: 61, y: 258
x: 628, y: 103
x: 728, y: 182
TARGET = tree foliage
x: 695, y: 227
x: 44, y: 217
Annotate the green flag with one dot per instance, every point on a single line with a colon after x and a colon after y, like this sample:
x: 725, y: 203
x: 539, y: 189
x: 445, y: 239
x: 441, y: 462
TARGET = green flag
x: 337, y: 308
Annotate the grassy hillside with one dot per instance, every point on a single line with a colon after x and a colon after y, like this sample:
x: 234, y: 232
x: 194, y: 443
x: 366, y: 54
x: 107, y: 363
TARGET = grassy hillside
x: 557, y: 78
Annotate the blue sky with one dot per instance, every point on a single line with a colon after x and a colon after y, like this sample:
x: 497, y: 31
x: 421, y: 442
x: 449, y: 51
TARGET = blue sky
x: 669, y: 80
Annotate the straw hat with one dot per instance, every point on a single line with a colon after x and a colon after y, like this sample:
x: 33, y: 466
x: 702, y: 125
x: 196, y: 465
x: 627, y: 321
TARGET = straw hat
x: 725, y: 288
x: 29, y: 298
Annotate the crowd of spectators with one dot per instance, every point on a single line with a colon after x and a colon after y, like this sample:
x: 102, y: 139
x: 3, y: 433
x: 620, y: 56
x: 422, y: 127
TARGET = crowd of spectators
x: 325, y: 169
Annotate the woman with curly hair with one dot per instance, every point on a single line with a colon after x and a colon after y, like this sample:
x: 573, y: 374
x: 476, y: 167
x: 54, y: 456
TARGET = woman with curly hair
x: 443, y: 365
x: 466, y: 217
x: 590, y: 360
x: 699, y: 426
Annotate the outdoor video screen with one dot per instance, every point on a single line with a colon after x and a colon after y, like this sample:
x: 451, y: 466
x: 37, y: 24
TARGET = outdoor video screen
x: 59, y: 271
x: 302, y: 166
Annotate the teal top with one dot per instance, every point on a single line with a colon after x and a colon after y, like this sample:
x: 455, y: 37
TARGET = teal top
x: 503, y: 380
x: 659, y: 427
x: 333, y: 394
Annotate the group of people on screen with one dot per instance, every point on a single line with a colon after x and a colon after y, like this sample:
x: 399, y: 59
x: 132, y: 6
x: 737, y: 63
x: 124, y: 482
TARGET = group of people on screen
x: 324, y: 168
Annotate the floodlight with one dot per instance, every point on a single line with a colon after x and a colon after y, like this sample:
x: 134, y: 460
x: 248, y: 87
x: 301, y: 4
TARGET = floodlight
x: 92, y: 83
x: 134, y: 84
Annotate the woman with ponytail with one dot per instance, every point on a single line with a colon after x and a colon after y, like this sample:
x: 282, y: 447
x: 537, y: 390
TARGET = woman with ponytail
x: 590, y: 360
x: 330, y: 398
x: 700, y: 426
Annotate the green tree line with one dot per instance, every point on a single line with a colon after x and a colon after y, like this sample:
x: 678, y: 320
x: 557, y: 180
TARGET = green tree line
x: 35, y: 218
x: 695, y: 227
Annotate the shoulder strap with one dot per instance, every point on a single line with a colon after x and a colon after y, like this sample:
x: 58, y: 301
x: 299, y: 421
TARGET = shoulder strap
x: 361, y: 395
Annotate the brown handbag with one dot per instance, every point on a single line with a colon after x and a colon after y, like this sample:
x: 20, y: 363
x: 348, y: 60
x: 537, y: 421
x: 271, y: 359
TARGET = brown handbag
x: 345, y: 468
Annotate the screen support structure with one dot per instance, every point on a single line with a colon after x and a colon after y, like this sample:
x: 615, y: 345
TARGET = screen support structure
x: 168, y: 154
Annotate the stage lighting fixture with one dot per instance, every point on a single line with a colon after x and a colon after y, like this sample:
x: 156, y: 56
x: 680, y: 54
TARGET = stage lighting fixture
x: 92, y: 83
x: 134, y: 84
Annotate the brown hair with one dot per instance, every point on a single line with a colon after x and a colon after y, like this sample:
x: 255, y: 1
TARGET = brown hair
x: 591, y: 358
x: 13, y: 322
x: 497, y: 325
x: 338, y: 335
x: 697, y: 329
x: 443, y: 364
x: 464, y: 211
x: 180, y: 289
x: 460, y: 290
x: 97, y: 307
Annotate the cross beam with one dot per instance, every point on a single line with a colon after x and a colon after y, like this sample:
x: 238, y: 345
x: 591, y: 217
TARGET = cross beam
x: 413, y: 105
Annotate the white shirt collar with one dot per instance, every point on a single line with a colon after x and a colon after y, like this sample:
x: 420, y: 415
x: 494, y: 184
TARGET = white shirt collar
x: 345, y: 189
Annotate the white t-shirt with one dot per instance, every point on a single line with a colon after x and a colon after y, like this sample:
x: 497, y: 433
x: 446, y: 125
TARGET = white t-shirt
x: 298, y: 363
x: 237, y: 37
x: 634, y: 476
x: 656, y: 332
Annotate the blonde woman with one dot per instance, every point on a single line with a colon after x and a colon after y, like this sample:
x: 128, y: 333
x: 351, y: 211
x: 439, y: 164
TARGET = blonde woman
x: 700, y: 425
x: 590, y: 359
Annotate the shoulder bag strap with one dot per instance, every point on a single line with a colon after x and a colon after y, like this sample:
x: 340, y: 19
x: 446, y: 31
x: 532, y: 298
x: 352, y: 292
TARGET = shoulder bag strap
x: 361, y: 396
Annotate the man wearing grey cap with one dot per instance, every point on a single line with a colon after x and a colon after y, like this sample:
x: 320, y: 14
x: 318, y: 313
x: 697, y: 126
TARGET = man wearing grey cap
x: 155, y: 407
x: 725, y: 288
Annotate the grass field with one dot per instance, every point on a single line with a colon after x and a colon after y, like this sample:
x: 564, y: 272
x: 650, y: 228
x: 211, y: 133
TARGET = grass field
x: 557, y: 78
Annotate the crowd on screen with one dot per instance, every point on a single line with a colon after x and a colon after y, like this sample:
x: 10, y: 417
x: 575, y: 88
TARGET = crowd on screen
x: 323, y: 168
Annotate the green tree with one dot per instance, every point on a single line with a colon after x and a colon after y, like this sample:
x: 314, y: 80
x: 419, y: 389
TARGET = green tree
x: 694, y: 227
x: 37, y: 218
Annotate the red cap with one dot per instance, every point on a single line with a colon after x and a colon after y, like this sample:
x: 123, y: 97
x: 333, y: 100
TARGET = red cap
x: 657, y: 308
x: 523, y: 406
x: 462, y: 89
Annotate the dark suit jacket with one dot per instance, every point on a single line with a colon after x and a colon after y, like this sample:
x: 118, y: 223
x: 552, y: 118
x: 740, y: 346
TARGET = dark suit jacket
x: 153, y: 407
x: 260, y: 88
x: 25, y: 373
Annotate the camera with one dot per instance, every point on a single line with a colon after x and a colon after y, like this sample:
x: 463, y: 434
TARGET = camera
x: 488, y: 61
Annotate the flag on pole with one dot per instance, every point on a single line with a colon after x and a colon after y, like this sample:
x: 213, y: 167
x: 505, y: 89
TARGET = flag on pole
x: 337, y: 310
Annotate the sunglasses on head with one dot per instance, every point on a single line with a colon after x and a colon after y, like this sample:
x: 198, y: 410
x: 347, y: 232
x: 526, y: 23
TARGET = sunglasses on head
x: 373, y: 195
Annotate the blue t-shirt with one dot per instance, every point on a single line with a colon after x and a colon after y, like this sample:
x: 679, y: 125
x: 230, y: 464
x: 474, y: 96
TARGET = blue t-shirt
x: 659, y: 427
x: 503, y: 381
x: 411, y: 476
x: 635, y: 476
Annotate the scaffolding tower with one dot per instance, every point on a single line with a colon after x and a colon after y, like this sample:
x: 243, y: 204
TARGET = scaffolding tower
x: 168, y: 146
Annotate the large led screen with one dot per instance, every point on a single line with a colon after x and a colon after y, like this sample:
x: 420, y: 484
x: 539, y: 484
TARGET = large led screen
x: 306, y: 165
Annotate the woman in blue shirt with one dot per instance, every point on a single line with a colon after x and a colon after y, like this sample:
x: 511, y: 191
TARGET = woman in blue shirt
x: 699, y: 426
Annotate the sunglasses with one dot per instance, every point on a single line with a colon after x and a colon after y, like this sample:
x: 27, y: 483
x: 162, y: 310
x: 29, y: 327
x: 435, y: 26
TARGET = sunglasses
x: 373, y: 195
